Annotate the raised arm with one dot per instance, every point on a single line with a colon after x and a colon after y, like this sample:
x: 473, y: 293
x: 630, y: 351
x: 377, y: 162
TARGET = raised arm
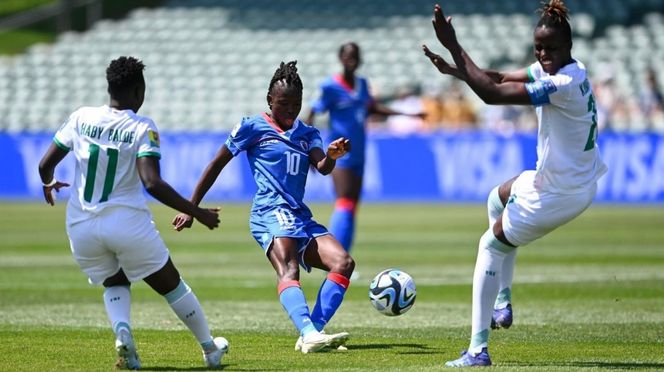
x: 325, y: 162
x: 491, y: 87
x: 377, y: 108
x: 518, y: 76
x: 206, y: 181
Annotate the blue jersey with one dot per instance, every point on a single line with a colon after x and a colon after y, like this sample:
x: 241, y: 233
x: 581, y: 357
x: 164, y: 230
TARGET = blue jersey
x: 278, y: 160
x: 348, y: 109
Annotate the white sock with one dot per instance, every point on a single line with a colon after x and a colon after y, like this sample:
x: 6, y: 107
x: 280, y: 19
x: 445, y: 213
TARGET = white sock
x: 185, y: 304
x: 486, y: 281
x: 117, y: 300
x: 494, y: 206
x: 506, y: 277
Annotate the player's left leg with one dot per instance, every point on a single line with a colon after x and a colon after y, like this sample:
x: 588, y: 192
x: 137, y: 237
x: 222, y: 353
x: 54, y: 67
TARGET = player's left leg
x: 325, y: 253
x: 502, y: 313
x: 117, y: 301
x: 486, y: 281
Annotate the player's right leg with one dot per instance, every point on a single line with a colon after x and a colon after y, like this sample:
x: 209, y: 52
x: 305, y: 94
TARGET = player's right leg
x: 143, y: 256
x: 347, y: 186
x: 283, y: 253
x: 184, y: 303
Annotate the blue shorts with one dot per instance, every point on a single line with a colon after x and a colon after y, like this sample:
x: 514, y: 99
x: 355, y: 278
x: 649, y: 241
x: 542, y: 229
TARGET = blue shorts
x: 353, y: 163
x: 282, y: 221
x: 354, y: 160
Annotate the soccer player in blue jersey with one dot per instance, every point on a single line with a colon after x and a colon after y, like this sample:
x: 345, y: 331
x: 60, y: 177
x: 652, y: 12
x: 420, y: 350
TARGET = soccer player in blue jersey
x: 280, y: 148
x: 348, y: 99
x: 536, y: 202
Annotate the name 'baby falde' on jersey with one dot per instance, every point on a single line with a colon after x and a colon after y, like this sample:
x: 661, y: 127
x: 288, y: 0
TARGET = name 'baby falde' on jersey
x: 114, y: 135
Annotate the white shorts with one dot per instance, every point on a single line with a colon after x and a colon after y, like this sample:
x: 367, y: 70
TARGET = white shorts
x: 530, y: 213
x: 118, y: 238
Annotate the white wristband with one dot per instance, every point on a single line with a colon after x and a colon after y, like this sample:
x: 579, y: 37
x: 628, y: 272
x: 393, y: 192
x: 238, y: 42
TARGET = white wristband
x: 52, y: 183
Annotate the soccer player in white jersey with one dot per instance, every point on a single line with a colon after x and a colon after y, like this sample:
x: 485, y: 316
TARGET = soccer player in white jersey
x: 564, y: 182
x: 110, y: 227
x: 280, y: 149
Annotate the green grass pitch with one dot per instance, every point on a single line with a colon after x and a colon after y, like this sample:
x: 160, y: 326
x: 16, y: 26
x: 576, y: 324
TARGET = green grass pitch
x: 590, y: 296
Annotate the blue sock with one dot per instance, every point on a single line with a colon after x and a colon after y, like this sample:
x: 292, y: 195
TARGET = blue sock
x: 342, y: 222
x: 330, y: 295
x: 293, y: 301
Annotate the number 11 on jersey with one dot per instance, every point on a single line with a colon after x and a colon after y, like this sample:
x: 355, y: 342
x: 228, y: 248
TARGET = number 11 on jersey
x: 92, y: 173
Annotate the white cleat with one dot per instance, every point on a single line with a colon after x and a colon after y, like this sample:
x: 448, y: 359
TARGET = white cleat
x: 213, y: 359
x: 126, y: 349
x: 316, y: 341
x: 339, y: 344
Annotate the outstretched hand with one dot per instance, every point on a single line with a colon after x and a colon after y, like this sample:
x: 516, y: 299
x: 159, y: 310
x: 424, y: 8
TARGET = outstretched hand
x: 443, y: 27
x: 338, y: 148
x: 182, y: 221
x: 438, y: 61
x: 49, y: 196
x: 207, y: 216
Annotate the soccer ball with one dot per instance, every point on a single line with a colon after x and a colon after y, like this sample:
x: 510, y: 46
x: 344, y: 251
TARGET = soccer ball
x: 392, y: 292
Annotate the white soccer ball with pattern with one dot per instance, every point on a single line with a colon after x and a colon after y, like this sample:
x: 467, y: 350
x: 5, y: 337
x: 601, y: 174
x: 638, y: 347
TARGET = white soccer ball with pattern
x: 392, y: 292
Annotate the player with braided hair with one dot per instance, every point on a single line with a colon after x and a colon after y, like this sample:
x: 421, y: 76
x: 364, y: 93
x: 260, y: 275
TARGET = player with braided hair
x: 564, y: 183
x: 280, y: 149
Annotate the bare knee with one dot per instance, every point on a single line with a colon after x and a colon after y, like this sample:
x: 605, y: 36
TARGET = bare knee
x: 343, y: 265
x: 117, y: 279
x: 289, y: 271
x: 505, y: 190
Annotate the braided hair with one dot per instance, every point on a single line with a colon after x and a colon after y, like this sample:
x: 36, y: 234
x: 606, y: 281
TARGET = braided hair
x: 555, y: 14
x: 123, y: 74
x: 287, y: 72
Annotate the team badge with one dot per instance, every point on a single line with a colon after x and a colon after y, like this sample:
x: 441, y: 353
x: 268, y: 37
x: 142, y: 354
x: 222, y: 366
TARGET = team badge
x: 154, y: 138
x: 305, y: 145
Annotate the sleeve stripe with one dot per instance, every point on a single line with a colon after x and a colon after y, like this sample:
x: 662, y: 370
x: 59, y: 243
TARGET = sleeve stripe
x: 60, y: 144
x: 152, y: 154
x: 530, y: 74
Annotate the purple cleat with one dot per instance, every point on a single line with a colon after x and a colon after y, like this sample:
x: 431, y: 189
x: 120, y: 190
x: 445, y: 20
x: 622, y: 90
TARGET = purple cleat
x: 467, y: 360
x: 502, y: 318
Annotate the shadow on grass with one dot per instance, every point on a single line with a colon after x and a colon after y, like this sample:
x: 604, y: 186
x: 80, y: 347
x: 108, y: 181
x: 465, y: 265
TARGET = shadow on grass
x: 224, y: 366
x: 603, y: 365
x: 420, y: 348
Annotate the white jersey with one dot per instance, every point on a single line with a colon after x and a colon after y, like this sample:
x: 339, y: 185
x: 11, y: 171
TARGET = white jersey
x: 106, y: 143
x: 568, y: 159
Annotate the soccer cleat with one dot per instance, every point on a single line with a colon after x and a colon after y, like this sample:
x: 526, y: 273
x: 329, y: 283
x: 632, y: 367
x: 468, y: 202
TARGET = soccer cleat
x: 127, y: 356
x: 339, y: 344
x: 467, y: 360
x: 502, y: 318
x: 316, y: 341
x: 213, y: 359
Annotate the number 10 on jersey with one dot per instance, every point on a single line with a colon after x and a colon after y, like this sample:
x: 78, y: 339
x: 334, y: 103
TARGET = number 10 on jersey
x: 292, y: 163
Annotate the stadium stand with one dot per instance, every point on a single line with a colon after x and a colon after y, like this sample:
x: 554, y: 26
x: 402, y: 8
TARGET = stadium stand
x: 209, y: 61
